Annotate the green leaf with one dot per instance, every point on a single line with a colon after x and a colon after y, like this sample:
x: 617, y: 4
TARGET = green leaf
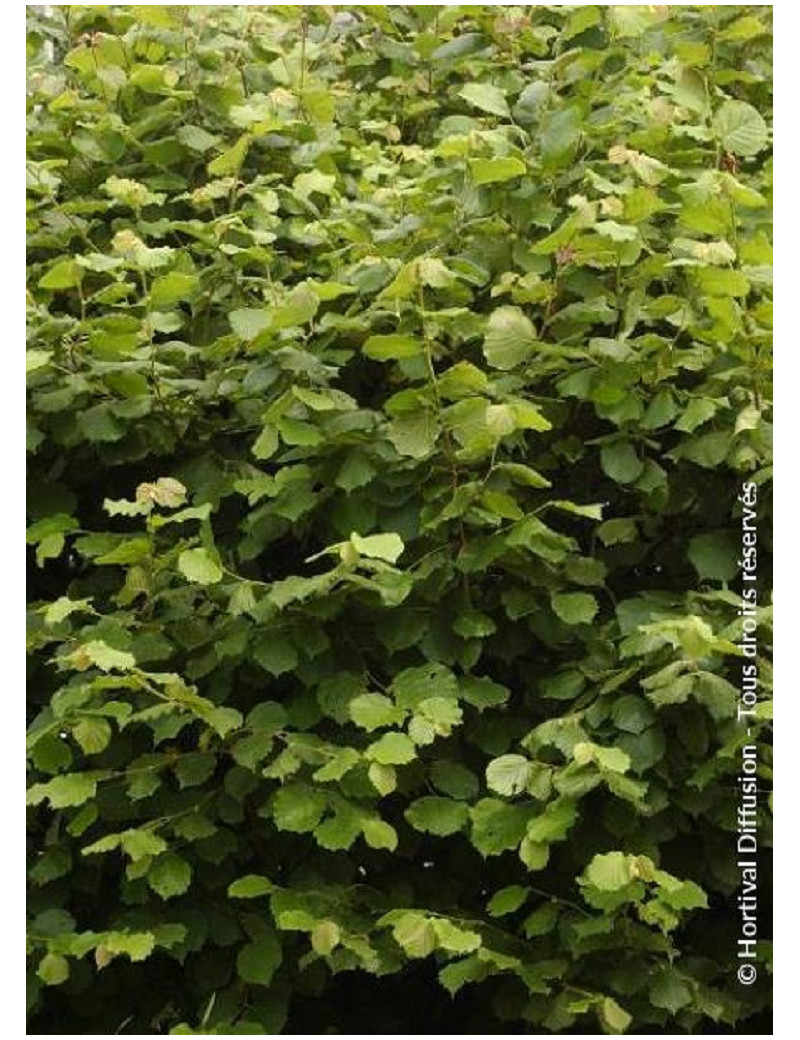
x: 372, y: 711
x: 248, y: 323
x: 442, y: 712
x: 379, y: 834
x: 608, y: 872
x: 493, y: 171
x: 543, y: 920
x: 414, y: 685
x: 63, y: 275
x: 99, y: 425
x: 697, y: 412
x: 230, y: 161
x: 559, y: 135
x: 510, y: 338
x: 454, y: 939
x: 415, y: 934
x: 471, y: 624
x: 534, y: 854
x: 743, y: 29
x: 199, y: 566
x: 714, y: 555
x: 632, y: 714
x: 681, y: 895
x: 325, y: 937
x: 172, y: 288
x: 458, y: 973
x: 669, y: 990
x: 339, y: 831
x: 716, y: 694
x: 103, y: 656
x: 620, y: 462
x: 421, y: 731
x: 611, y: 759
x: 138, y: 844
x: 586, y: 571
x: 508, y: 775
x: 574, y: 608
x: 414, y: 434
x: 392, y: 749
x: 454, y: 779
x: 378, y: 546
x: 338, y: 765
x: 462, y: 380
x: 708, y: 450
x: 64, y: 791
x: 169, y: 876
x: 660, y: 411
x: 131, y: 193
x: 740, y: 128
x: 497, y: 826
x: 522, y: 474
x: 393, y: 347
x: 434, y: 815
x: 196, y: 138
x: 36, y: 359
x: 222, y: 719
x: 93, y: 735
x: 319, y: 105
x: 53, y: 969
x: 615, y: 1018
x: 305, y: 184
x: 459, y: 46
x: 298, y: 807
x: 554, y: 823
x: 356, y: 472
x: 266, y: 443
x: 485, y: 97
x: 276, y: 655
x: 382, y: 778
x: 298, y: 307
x: 721, y: 281
x: 258, y: 960
x: 483, y: 693
x: 507, y: 900
x: 137, y: 946
x: 251, y: 887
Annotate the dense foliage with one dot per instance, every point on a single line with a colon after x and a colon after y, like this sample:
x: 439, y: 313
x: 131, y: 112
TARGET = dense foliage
x: 393, y: 376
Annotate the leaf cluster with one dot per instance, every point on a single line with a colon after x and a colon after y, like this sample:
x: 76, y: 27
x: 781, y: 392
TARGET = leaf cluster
x: 393, y: 375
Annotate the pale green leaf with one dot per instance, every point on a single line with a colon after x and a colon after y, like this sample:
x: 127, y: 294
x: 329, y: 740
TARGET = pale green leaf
x: 372, y: 711
x: 392, y: 749
x: 508, y: 775
x: 199, y: 566
x: 378, y: 546
x: 510, y: 338
x: 740, y: 128
x: 251, y: 887
x: 486, y: 97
